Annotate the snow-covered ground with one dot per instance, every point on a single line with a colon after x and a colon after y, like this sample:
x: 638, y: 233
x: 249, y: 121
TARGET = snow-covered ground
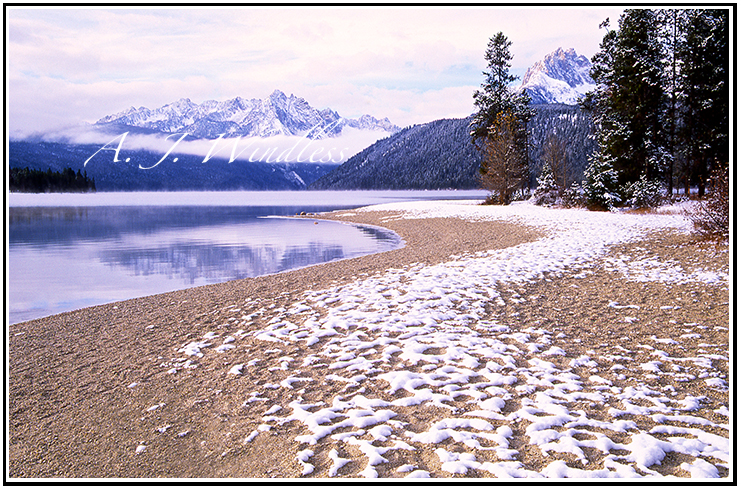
x: 418, y: 337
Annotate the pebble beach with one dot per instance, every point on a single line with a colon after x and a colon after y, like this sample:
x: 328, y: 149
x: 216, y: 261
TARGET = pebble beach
x: 499, y: 342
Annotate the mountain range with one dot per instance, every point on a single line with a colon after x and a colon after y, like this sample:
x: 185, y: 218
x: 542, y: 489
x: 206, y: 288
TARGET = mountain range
x: 440, y: 155
x: 275, y: 115
x: 562, y: 77
x: 434, y: 155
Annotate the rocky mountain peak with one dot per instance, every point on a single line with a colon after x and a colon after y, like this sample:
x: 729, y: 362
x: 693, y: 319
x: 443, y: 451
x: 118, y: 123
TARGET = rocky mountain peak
x: 561, y: 77
x: 278, y: 114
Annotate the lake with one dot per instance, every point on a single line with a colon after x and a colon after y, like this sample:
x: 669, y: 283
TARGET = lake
x: 69, y: 251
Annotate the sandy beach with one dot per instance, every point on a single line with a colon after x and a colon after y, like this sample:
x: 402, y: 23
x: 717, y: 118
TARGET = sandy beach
x: 570, y: 373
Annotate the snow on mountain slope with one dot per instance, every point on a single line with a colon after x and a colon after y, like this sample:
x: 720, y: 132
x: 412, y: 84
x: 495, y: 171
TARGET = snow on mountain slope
x: 276, y: 115
x: 562, y: 77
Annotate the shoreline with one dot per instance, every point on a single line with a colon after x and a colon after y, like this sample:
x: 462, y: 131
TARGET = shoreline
x: 131, y: 390
x: 57, y: 363
x: 316, y: 216
x: 372, y: 219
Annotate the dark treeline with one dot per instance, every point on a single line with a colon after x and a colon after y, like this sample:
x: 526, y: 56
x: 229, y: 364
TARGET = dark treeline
x: 568, y: 124
x: 440, y: 154
x: 30, y: 180
x: 661, y: 106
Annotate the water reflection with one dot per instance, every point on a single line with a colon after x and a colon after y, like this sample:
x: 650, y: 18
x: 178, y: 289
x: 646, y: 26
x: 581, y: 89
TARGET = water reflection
x: 68, y: 258
x: 216, y: 263
x: 43, y: 226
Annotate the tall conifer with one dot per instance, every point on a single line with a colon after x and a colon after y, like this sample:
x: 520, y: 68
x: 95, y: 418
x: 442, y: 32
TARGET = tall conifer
x: 498, y: 103
x: 630, y: 99
x: 705, y: 94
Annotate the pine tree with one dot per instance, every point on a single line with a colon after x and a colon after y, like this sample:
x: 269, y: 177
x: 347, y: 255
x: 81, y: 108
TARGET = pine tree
x: 496, y: 95
x: 661, y: 104
x: 502, y: 117
x: 671, y: 29
x: 547, y: 192
x: 631, y: 99
x: 600, y: 185
x: 705, y: 94
x: 644, y: 193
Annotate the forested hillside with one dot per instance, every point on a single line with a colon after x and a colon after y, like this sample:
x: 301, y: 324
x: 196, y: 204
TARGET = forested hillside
x: 435, y: 155
x: 189, y: 172
x: 440, y: 155
x: 568, y: 123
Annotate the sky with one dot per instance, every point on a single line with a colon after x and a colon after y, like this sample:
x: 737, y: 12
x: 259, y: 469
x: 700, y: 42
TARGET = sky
x: 67, y: 66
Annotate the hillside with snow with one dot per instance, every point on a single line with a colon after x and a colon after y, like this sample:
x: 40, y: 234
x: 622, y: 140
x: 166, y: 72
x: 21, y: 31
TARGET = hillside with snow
x: 276, y: 115
x: 561, y: 77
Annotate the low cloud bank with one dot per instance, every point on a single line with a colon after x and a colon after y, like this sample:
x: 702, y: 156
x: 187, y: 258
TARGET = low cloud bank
x: 275, y: 149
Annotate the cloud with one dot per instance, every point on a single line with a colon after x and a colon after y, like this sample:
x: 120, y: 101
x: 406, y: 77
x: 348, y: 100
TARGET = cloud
x: 66, y: 65
x: 275, y: 149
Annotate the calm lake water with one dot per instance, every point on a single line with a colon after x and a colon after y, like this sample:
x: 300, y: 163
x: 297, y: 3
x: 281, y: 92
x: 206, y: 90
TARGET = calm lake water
x: 69, y: 251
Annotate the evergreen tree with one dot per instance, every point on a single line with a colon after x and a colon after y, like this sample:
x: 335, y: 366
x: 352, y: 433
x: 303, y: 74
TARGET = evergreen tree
x: 504, y: 167
x: 547, y: 192
x: 496, y: 95
x: 661, y: 104
x: 630, y: 100
x: 672, y: 25
x: 600, y: 185
x: 644, y: 193
x: 704, y: 57
x: 502, y: 117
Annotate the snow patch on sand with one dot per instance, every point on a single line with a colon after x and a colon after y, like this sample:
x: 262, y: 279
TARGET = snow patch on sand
x: 421, y: 339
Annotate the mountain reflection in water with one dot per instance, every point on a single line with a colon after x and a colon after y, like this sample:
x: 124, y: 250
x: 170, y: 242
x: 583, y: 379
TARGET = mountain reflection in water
x: 191, y: 262
x: 71, y: 257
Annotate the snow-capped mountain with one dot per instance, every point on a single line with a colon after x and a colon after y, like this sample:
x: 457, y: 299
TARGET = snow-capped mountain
x: 275, y: 115
x: 562, y: 77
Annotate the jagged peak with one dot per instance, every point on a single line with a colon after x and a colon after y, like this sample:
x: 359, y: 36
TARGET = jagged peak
x: 562, y: 76
x: 562, y: 54
x: 276, y: 114
x: 278, y: 94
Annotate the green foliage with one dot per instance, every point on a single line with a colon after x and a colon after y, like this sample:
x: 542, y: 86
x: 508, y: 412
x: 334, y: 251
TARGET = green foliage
x: 600, y: 185
x: 704, y: 94
x: 29, y: 180
x: 499, y: 127
x: 547, y: 192
x: 661, y: 102
x: 573, y: 196
x: 644, y: 193
x: 495, y: 95
x: 630, y: 99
